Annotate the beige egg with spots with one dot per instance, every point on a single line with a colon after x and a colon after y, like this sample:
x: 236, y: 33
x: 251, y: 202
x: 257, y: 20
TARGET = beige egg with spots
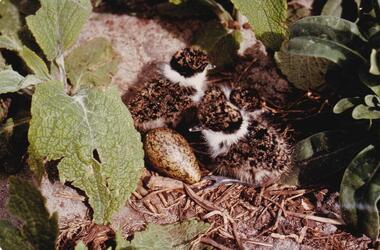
x: 170, y: 154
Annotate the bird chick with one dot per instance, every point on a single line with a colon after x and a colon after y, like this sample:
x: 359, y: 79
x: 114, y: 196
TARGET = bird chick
x: 242, y: 142
x: 222, y: 123
x: 189, y: 68
x: 162, y: 101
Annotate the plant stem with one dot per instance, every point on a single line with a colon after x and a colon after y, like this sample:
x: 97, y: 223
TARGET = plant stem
x: 60, y: 62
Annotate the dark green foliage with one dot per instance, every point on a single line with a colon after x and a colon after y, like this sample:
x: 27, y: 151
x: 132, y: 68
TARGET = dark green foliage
x: 352, y: 47
x: 40, y: 230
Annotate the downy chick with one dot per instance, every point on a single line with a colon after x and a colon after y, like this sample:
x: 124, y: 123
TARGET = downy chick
x: 175, y: 89
x: 242, y: 142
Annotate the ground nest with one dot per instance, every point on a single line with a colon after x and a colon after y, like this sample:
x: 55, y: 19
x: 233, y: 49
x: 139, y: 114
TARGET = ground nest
x: 241, y: 217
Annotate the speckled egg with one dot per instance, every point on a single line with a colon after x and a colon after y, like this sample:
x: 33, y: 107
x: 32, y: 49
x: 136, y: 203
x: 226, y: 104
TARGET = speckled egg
x: 170, y: 154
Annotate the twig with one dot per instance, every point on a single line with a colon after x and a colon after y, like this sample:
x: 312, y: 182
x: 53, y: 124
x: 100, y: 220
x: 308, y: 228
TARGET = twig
x: 315, y: 218
x: 163, y: 200
x: 281, y: 207
x: 215, y: 244
x: 258, y: 243
x: 201, y: 202
x: 137, y: 195
x: 234, y: 230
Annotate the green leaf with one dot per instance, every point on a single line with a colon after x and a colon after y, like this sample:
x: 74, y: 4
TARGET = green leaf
x: 364, y: 112
x: 80, y: 246
x: 372, y: 101
x: 370, y: 222
x: 121, y: 243
x: 305, y: 72
x: 329, y: 28
x: 209, y: 35
x: 11, y: 238
x: 13, y: 143
x: 176, y: 2
x: 345, y: 104
x: 93, y: 63
x: 9, y: 43
x: 183, y: 10
x: 171, y: 236
x: 267, y: 18
x: 347, y: 9
x: 322, y: 155
x: 332, y: 8
x: 358, y: 173
x: 220, y: 43
x: 321, y: 48
x: 36, y: 165
x: 2, y: 63
x: 93, y: 136
x: 57, y: 24
x: 375, y: 67
x: 10, y: 24
x: 376, y: 7
x: 11, y: 81
x: 371, y: 81
x: 35, y: 63
x: 27, y: 204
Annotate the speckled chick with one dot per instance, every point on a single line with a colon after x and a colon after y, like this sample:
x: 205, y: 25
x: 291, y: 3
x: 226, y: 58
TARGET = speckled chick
x: 217, y: 113
x: 189, y: 62
x: 173, y: 90
x: 170, y: 154
x: 260, y: 158
x: 242, y: 142
x: 160, y: 103
x: 189, y: 67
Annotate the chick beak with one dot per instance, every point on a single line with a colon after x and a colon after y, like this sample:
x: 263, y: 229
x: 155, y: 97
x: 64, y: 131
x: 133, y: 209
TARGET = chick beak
x: 196, y: 128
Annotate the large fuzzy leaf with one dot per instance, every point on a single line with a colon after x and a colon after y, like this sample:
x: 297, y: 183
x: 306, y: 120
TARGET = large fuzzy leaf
x: 2, y: 62
x: 171, y: 236
x: 35, y: 63
x: 11, y: 81
x: 268, y: 19
x: 10, y: 24
x: 9, y: 43
x: 358, y: 173
x: 93, y: 63
x: 40, y: 230
x: 57, y: 24
x: 93, y: 136
x: 328, y: 28
x: 11, y: 238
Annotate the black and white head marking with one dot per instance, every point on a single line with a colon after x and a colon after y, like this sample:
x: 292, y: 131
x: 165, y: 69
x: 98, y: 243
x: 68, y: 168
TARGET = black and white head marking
x: 189, y: 68
x: 223, y: 123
